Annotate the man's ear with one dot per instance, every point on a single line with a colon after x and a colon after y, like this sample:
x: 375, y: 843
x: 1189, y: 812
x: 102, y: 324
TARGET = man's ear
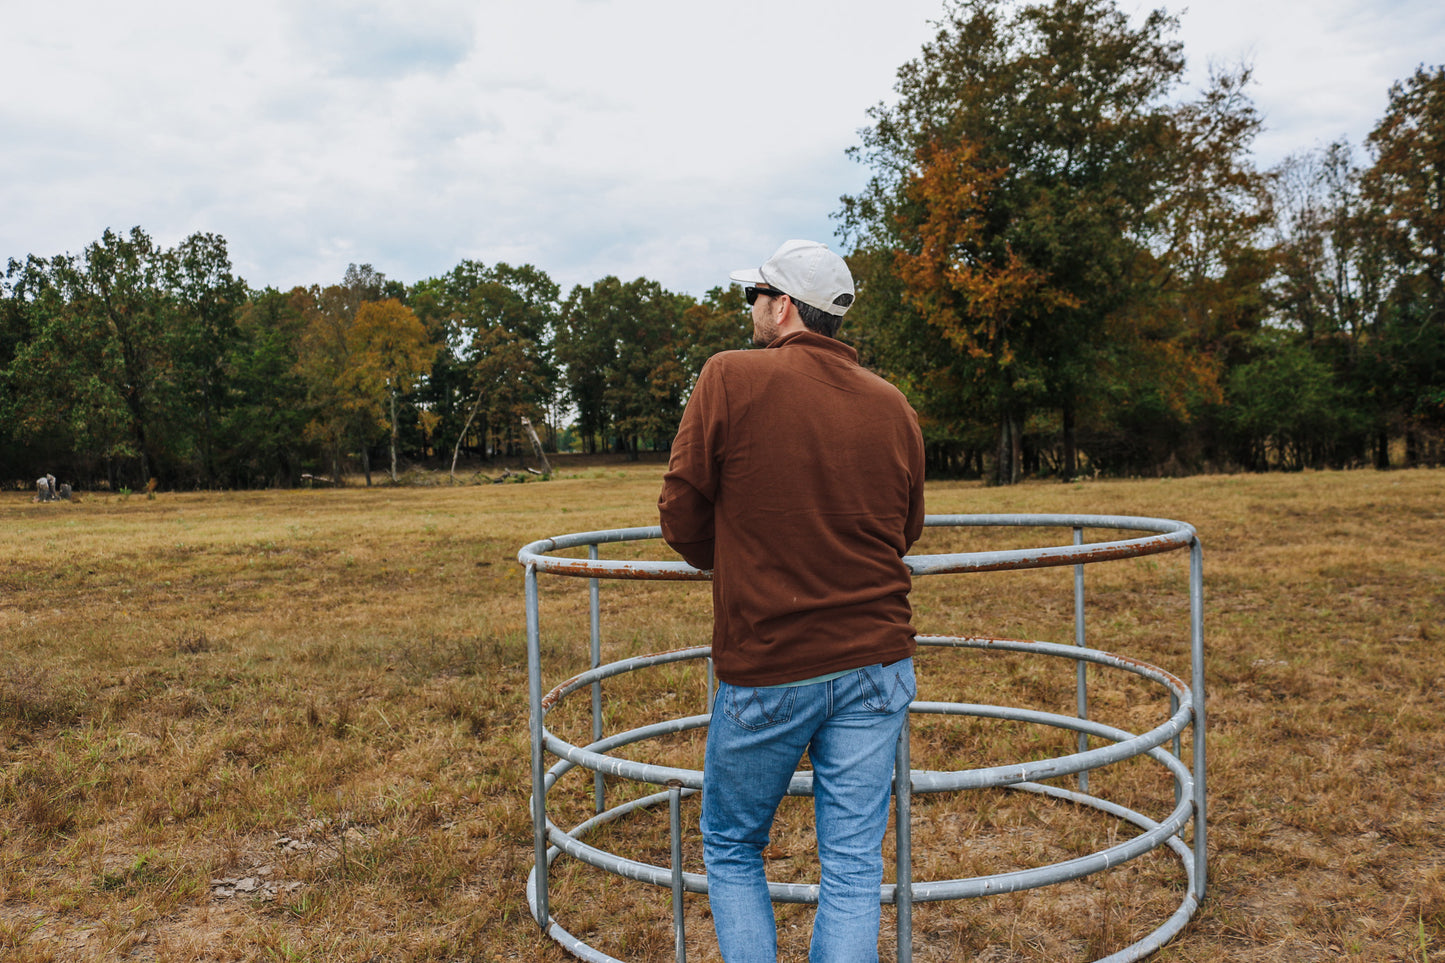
x: 789, y: 319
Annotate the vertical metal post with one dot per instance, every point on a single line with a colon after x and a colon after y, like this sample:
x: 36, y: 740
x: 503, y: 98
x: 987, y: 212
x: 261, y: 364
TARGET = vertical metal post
x: 711, y: 684
x: 903, y: 843
x: 1178, y: 742
x: 1081, y: 684
x: 1196, y: 658
x: 599, y: 791
x: 674, y: 813
x: 534, y: 697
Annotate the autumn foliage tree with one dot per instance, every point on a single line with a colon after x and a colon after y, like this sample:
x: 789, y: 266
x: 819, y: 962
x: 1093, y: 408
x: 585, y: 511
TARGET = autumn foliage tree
x: 721, y: 321
x: 969, y: 285
x: 336, y: 419
x: 1034, y: 184
x: 389, y: 351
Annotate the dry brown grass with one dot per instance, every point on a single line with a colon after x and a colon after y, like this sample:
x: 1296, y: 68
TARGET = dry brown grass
x: 324, y: 694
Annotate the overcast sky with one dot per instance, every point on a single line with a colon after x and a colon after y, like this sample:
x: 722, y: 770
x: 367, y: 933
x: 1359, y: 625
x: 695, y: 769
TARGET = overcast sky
x: 655, y: 138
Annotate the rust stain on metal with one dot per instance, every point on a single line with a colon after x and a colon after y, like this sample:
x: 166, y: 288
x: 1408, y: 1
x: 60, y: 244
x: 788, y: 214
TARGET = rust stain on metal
x: 1122, y: 661
x: 1045, y: 557
x: 1189, y: 708
x: 1068, y: 555
x: 555, y: 696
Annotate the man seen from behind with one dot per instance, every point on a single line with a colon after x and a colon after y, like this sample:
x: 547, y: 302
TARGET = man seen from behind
x: 797, y: 477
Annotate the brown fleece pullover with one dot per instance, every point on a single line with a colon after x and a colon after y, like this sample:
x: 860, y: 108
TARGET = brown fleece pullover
x: 797, y: 477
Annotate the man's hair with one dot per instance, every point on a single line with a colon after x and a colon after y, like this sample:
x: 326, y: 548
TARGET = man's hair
x: 817, y: 320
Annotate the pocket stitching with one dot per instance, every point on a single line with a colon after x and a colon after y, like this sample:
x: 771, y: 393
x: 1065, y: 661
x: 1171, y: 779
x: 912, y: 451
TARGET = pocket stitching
x: 884, y: 702
x: 735, y: 712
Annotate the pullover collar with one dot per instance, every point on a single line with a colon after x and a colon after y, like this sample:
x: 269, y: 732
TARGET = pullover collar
x: 812, y: 339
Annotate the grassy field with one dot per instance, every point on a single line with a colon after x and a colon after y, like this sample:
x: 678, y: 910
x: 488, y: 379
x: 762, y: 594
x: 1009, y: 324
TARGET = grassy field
x: 293, y: 725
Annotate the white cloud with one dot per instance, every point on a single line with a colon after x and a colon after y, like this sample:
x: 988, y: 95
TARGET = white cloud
x: 589, y: 137
x: 375, y: 39
x: 1322, y: 68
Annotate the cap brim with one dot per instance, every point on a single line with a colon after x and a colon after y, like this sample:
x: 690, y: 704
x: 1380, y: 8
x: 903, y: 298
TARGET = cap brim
x: 748, y: 276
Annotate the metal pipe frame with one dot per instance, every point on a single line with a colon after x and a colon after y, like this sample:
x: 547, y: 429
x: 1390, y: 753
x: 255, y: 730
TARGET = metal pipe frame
x: 1186, y: 711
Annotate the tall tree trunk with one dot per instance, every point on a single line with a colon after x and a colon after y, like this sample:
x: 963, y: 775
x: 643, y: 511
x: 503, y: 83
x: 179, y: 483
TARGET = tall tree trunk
x: 208, y: 457
x: 1009, y: 466
x: 1382, y: 449
x: 1071, y: 451
x: 1003, y: 454
x: 394, y: 433
x: 537, y: 446
x: 456, y: 449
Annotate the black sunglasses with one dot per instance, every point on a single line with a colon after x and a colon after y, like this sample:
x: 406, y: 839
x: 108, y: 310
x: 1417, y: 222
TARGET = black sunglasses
x: 752, y: 293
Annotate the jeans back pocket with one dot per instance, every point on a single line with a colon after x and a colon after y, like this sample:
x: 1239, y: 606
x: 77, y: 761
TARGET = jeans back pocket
x: 755, y: 709
x: 888, y: 688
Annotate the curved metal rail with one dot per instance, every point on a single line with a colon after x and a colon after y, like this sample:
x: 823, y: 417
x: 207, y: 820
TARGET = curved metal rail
x: 600, y: 756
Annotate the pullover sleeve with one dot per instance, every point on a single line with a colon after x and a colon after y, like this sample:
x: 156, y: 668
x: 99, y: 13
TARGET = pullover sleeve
x: 913, y: 527
x: 689, y: 489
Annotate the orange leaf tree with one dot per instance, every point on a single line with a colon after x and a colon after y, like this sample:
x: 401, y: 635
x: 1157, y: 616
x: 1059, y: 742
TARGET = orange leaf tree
x: 970, y: 286
x: 1034, y: 184
x: 390, y: 351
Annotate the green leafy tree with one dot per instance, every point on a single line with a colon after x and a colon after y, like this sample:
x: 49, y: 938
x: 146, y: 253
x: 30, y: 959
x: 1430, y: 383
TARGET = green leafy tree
x: 61, y: 393
x: 1405, y: 192
x: 103, y: 364
x: 15, y: 328
x: 475, y: 311
x: 262, y: 429
x: 721, y: 321
x: 203, y: 299
x: 1286, y: 406
x: 587, y: 349
x: 625, y: 361
x: 122, y: 355
x: 1407, y: 180
x: 508, y: 380
x: 114, y: 301
x: 1330, y: 288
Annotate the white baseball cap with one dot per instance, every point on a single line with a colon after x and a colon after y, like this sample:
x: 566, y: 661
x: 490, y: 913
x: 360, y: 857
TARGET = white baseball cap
x: 808, y: 271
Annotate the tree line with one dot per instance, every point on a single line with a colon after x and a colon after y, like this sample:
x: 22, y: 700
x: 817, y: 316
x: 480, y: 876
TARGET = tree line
x: 1068, y: 267
x: 132, y: 364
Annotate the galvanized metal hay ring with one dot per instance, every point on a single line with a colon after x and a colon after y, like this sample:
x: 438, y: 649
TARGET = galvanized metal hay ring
x: 1161, y: 744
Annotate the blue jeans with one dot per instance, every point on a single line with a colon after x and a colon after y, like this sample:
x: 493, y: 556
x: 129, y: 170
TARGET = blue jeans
x: 849, y: 727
